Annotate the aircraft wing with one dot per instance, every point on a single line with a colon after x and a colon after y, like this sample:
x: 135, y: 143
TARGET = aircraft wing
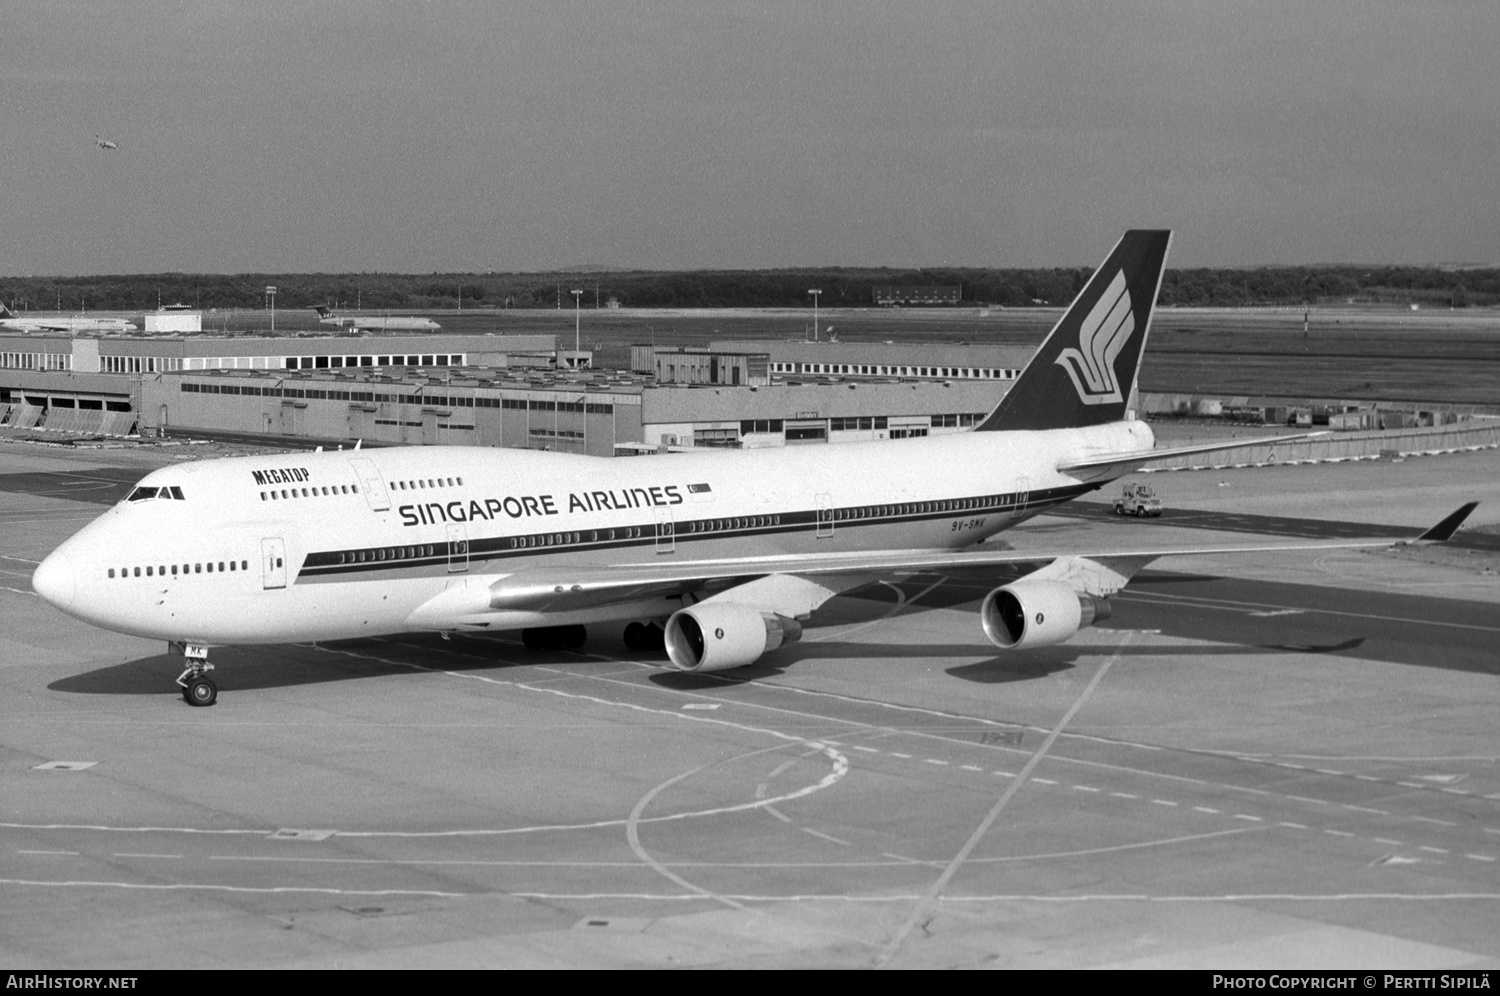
x: 1092, y: 468
x: 581, y: 586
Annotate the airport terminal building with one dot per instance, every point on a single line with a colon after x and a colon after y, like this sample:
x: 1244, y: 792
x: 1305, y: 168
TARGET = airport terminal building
x: 513, y: 391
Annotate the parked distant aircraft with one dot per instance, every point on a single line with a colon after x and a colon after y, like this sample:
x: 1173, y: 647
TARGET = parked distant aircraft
x: 730, y: 550
x: 376, y: 323
x: 105, y: 143
x: 78, y: 323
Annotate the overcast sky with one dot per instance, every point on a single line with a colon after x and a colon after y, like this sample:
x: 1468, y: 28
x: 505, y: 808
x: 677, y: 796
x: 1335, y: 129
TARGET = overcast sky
x: 478, y: 135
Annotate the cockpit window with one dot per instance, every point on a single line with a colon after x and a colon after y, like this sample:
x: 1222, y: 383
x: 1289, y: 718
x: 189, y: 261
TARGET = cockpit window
x: 171, y: 492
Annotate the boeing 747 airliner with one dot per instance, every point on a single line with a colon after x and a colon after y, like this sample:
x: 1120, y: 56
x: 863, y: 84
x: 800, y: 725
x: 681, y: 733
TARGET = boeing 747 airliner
x: 731, y: 549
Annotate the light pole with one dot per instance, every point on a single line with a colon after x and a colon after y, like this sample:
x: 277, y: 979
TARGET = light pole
x: 815, y: 295
x: 577, y: 320
x: 271, y: 296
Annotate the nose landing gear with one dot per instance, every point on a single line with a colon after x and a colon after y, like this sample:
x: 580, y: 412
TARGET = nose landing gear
x: 198, y: 689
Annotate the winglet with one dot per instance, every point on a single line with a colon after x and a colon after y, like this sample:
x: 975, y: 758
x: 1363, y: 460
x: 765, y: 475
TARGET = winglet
x: 1444, y: 530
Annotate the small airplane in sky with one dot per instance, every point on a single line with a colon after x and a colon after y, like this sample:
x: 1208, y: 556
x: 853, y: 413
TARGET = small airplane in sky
x: 105, y: 143
x: 375, y: 323
x: 78, y: 323
x: 716, y: 557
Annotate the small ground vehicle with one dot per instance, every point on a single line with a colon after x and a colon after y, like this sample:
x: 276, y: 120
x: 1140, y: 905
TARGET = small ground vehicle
x: 1137, y: 499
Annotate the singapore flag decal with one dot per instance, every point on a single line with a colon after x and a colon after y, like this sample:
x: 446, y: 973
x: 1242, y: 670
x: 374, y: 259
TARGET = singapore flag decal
x: 1103, y: 334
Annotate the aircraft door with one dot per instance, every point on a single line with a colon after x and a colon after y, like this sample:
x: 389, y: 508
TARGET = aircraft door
x: 373, y: 484
x: 1023, y: 491
x: 666, y: 531
x: 825, y: 516
x: 273, y: 563
x: 458, y: 547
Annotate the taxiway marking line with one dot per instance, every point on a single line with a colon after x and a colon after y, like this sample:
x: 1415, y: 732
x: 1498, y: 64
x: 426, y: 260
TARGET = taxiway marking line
x: 242, y: 889
x: 828, y: 837
x: 1235, y: 606
x: 919, y: 910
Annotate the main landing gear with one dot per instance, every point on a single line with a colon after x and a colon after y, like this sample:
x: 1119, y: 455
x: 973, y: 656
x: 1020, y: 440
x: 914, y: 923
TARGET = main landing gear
x: 644, y: 636
x: 554, y: 637
x: 198, y: 689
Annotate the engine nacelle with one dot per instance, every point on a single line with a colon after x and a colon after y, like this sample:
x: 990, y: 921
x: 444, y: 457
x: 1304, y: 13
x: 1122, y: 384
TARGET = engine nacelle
x: 717, y: 636
x: 1038, y: 613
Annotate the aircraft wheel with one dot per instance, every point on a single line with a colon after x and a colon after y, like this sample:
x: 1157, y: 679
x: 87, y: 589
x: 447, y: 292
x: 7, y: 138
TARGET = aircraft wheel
x: 200, y: 691
x: 572, y: 637
x: 635, y: 636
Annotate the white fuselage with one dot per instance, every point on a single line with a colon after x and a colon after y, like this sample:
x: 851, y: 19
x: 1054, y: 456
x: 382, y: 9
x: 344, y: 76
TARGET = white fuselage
x: 76, y: 324
x: 331, y: 545
x: 382, y: 323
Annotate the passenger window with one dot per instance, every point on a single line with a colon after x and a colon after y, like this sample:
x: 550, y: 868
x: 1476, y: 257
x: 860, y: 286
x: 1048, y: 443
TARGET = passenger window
x: 148, y: 573
x: 111, y: 572
x: 137, y: 572
x: 197, y: 568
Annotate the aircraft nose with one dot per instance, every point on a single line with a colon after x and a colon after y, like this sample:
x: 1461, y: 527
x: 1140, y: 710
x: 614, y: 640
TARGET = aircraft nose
x: 53, y: 580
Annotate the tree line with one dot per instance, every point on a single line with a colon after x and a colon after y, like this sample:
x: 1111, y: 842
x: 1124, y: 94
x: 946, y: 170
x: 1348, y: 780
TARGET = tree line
x: 841, y: 287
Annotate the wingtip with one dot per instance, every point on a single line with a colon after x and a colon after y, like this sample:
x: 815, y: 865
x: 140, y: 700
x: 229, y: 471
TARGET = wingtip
x: 1444, y: 530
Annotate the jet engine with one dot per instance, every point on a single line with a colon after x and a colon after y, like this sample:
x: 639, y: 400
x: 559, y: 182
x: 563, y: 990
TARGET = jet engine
x: 717, y: 636
x: 1038, y: 613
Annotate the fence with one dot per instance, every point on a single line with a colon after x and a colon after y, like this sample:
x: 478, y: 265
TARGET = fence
x: 1342, y: 446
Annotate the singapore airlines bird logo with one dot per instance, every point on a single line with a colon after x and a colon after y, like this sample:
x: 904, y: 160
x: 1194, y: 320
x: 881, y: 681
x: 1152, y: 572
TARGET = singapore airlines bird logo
x: 1103, y: 334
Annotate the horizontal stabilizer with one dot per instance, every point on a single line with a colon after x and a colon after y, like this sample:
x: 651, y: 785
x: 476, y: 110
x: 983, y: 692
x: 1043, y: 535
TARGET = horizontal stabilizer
x: 1126, y: 462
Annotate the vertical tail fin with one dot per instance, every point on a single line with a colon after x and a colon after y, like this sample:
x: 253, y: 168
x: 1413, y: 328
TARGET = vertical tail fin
x: 1084, y: 371
x: 322, y: 310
